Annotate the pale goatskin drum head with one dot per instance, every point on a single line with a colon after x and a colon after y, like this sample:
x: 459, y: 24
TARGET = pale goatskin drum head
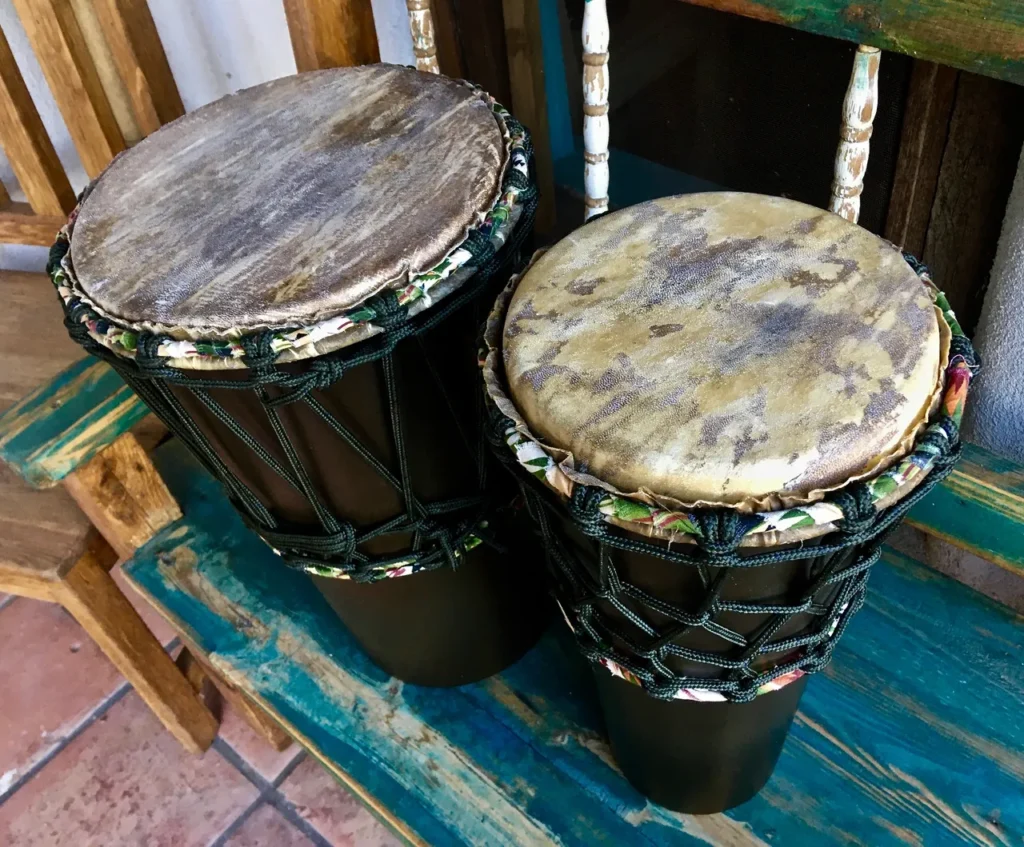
x: 724, y: 349
x: 288, y: 202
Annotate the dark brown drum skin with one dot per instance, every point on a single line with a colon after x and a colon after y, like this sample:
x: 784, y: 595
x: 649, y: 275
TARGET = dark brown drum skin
x: 446, y: 627
x: 703, y: 757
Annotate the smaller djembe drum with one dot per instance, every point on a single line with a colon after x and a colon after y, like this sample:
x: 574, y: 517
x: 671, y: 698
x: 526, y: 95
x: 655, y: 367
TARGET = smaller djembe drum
x: 718, y: 406
x: 292, y: 278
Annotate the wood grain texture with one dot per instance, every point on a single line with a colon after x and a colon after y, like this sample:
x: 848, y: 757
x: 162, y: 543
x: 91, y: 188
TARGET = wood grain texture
x: 28, y: 148
x: 67, y: 421
x: 141, y: 62
x: 123, y: 495
x: 331, y: 33
x: 32, y: 312
x: 421, y: 27
x: 979, y: 164
x: 859, y: 109
x: 61, y: 50
x: 984, y: 36
x: 910, y: 736
x: 529, y: 101
x: 90, y: 594
x: 980, y: 508
x: 929, y: 107
x: 20, y: 225
x: 595, y: 106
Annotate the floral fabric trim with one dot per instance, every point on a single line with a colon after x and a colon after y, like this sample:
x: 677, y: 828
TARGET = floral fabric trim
x: 532, y: 457
x: 123, y: 341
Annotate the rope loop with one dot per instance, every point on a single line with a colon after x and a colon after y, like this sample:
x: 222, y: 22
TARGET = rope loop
x: 721, y: 531
x: 389, y: 313
x: 859, y: 513
x: 583, y: 509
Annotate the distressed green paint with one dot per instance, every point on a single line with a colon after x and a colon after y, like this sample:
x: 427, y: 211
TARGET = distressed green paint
x: 911, y: 736
x: 65, y: 422
x: 983, y: 36
x: 979, y: 507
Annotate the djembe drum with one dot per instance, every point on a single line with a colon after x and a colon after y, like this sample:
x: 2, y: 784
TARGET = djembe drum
x: 718, y: 406
x: 291, y: 278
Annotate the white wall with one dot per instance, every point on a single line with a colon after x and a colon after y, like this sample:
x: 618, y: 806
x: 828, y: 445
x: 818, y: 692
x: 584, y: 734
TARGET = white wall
x: 214, y: 47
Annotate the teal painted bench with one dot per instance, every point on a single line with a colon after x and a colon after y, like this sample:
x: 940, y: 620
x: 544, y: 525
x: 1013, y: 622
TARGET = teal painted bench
x: 914, y: 735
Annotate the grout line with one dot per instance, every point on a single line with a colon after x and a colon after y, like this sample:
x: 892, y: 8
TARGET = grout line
x: 237, y: 823
x: 98, y: 712
x: 268, y: 794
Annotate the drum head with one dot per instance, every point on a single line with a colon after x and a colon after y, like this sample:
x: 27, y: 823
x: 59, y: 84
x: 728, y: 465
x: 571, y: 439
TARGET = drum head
x: 289, y: 202
x: 724, y: 349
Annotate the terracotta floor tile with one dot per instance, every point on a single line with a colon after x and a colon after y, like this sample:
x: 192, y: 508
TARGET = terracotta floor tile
x: 154, y: 620
x: 53, y: 677
x: 125, y: 781
x: 256, y: 752
x: 266, y: 827
x: 332, y: 811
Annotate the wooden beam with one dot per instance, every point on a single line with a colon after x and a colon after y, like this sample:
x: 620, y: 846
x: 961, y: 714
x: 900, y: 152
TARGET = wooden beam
x: 929, y: 107
x: 859, y: 108
x: 28, y: 147
x: 141, y: 62
x: 123, y: 495
x: 61, y: 50
x: 983, y: 36
x: 529, y: 101
x: 20, y: 225
x: 421, y: 27
x: 596, y: 39
x: 331, y: 33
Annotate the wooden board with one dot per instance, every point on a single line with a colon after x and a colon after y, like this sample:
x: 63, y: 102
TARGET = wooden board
x: 911, y: 736
x: 27, y: 145
x: 979, y: 507
x: 65, y: 422
x: 331, y: 33
x: 985, y: 36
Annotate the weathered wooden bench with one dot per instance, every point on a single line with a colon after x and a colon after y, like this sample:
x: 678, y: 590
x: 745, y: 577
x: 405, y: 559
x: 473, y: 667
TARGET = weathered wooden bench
x: 913, y: 735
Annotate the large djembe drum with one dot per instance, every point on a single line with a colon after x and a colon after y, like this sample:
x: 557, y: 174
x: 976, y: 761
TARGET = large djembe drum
x: 718, y: 406
x: 293, y: 279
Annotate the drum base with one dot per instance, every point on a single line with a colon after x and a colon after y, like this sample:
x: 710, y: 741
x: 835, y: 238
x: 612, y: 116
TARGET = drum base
x: 698, y: 758
x: 446, y: 627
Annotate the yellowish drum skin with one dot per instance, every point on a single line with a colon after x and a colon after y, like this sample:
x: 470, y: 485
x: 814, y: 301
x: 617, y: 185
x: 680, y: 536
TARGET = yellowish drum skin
x: 724, y: 349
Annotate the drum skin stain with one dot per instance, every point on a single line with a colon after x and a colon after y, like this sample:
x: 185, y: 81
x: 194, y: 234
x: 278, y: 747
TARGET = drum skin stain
x: 737, y: 349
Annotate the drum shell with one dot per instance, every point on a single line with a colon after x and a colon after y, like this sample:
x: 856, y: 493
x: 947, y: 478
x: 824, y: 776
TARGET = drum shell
x: 441, y: 432
x: 703, y: 757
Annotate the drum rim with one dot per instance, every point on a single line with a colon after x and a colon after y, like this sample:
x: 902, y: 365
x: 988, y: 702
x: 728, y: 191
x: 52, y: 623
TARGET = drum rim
x: 663, y: 517
x: 418, y: 292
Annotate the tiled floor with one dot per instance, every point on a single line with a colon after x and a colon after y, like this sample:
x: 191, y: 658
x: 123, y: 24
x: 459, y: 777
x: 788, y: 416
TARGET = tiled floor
x: 83, y: 762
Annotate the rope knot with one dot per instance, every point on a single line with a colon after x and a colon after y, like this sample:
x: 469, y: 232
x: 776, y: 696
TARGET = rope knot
x: 721, y: 531
x: 583, y: 509
x: 480, y: 247
x: 259, y: 356
x: 389, y: 313
x: 147, y: 352
x: 858, y: 510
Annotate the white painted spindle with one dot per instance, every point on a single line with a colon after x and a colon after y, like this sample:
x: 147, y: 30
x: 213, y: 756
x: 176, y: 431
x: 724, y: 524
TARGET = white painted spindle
x: 421, y: 24
x: 595, y: 106
x: 859, y: 108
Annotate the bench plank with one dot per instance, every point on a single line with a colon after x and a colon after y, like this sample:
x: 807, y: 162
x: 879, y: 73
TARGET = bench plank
x: 983, y: 36
x: 979, y: 507
x: 912, y: 736
x: 67, y: 421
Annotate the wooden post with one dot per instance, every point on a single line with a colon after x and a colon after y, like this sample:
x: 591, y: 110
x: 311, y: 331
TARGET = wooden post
x: 141, y: 62
x: 27, y: 145
x: 595, y: 106
x: 529, y: 100
x: 123, y: 495
x: 859, y: 108
x: 421, y: 25
x: 331, y: 33
x: 62, y: 53
x: 90, y: 594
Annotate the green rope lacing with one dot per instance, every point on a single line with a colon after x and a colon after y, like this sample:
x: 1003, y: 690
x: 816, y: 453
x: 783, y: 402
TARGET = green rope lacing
x: 602, y: 606
x: 441, y: 531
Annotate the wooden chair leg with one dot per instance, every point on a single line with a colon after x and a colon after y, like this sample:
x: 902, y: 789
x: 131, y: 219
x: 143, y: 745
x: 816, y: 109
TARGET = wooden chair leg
x: 121, y: 492
x: 90, y: 594
x: 198, y: 671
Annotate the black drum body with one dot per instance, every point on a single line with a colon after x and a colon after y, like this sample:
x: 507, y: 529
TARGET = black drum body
x: 690, y: 755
